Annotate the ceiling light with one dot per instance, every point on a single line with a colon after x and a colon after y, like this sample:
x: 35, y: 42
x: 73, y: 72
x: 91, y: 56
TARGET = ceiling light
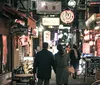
x: 72, y: 3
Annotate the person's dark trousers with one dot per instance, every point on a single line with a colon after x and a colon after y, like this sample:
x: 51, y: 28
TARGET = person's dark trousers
x: 76, y: 66
x: 41, y: 81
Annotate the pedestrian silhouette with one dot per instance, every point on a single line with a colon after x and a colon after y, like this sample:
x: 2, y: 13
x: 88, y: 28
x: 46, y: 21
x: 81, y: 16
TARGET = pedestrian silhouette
x: 43, y: 63
x: 61, y: 62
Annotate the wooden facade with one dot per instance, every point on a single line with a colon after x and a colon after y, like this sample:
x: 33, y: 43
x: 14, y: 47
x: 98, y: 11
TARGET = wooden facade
x: 5, y: 51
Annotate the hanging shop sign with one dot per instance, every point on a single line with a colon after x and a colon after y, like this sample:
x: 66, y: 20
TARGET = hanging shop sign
x: 67, y: 16
x: 86, y: 35
x: 35, y: 33
x: 17, y: 28
x: 48, y: 7
x: 47, y: 35
x: 50, y: 21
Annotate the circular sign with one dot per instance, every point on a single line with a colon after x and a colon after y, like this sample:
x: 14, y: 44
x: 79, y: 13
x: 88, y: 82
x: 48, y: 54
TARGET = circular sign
x: 67, y: 16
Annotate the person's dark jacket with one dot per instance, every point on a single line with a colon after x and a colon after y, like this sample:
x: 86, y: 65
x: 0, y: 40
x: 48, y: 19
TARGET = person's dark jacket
x: 73, y: 59
x: 43, y: 63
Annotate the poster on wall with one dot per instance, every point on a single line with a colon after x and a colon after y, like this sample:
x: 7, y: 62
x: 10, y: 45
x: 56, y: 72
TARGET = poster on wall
x: 98, y: 47
x: 4, y: 39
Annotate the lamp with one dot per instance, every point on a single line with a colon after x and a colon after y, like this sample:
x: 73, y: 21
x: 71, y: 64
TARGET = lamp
x: 72, y: 3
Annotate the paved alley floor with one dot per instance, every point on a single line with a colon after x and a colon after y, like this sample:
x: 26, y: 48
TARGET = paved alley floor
x: 78, y: 81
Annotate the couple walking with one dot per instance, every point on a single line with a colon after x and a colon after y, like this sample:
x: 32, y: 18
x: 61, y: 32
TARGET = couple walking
x: 44, y: 62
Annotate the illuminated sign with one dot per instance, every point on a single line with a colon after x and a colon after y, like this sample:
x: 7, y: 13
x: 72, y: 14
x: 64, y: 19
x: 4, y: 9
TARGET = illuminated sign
x: 50, y: 21
x: 67, y: 16
x: 86, y: 48
x: 47, y: 36
x: 48, y: 7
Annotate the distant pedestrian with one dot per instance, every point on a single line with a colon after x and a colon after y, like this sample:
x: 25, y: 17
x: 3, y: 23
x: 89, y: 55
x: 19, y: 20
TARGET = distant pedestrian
x: 43, y: 63
x: 61, y: 62
x: 67, y: 49
x: 74, y: 59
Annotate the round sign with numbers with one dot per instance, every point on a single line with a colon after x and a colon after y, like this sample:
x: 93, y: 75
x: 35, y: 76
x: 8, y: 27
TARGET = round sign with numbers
x: 67, y: 16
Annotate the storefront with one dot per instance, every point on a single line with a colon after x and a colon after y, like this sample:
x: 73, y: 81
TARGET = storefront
x: 93, y: 35
x: 13, y: 24
x: 5, y: 50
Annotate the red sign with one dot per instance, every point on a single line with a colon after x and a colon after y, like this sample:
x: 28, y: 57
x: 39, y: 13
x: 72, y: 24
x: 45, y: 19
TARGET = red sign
x: 86, y: 48
x: 67, y: 16
x: 98, y: 47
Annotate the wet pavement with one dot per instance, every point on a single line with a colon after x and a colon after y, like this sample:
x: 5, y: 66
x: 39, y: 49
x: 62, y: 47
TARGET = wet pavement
x: 78, y: 81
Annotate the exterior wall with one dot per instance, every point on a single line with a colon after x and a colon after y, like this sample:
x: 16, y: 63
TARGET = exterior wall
x: 5, y: 78
x: 20, y: 54
x: 4, y: 26
x: 16, y: 58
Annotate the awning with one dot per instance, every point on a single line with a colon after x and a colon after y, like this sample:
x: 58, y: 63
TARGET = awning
x: 30, y: 21
x: 93, y: 18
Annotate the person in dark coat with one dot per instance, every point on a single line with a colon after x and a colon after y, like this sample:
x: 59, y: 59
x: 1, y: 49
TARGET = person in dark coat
x: 43, y: 63
x: 74, y: 59
x: 61, y: 62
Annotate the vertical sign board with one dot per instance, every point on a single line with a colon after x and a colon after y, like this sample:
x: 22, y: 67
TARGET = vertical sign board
x: 47, y: 36
x: 98, y: 47
x: 86, y: 48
